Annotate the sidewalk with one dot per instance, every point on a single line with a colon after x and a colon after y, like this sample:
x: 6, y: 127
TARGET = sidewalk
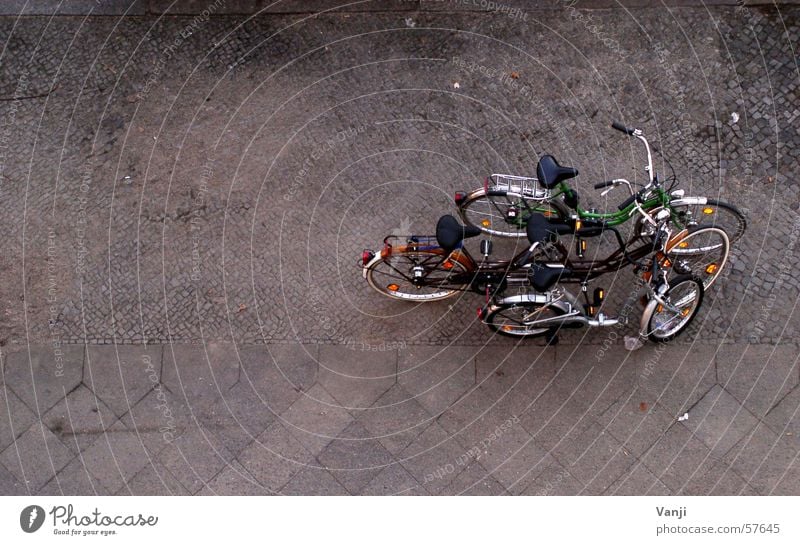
x: 308, y: 419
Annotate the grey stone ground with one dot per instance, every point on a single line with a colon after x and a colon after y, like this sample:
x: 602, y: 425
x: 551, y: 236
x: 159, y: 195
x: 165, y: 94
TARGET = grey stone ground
x: 185, y: 199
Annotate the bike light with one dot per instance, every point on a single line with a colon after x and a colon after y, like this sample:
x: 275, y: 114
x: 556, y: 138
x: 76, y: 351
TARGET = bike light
x: 366, y: 257
x: 460, y: 197
x: 392, y: 287
x: 712, y: 268
x: 708, y: 211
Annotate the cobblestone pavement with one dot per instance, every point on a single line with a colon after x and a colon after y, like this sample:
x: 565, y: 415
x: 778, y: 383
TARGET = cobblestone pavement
x: 185, y: 199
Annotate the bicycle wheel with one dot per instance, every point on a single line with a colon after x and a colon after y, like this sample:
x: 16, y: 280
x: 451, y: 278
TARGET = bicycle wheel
x: 713, y: 213
x: 703, y: 251
x: 498, y: 213
x: 394, y: 275
x: 519, y: 319
x: 683, y: 300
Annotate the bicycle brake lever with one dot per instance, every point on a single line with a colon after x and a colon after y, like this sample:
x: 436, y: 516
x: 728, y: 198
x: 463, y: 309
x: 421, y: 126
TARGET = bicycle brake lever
x: 607, y: 191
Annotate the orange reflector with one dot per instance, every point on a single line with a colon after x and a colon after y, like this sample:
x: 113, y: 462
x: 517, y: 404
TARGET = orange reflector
x: 685, y: 312
x: 667, y: 263
x: 507, y: 328
x: 577, y: 224
x: 486, y: 223
x: 707, y: 210
x: 683, y: 245
x: 659, y: 308
x: 711, y: 269
x: 447, y: 265
x: 392, y: 287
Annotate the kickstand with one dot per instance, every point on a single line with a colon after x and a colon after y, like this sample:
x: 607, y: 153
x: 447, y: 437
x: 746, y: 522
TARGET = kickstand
x: 551, y: 337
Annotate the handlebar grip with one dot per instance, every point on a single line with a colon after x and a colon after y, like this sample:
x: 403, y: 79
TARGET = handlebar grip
x: 621, y: 128
x: 601, y: 185
x: 627, y: 202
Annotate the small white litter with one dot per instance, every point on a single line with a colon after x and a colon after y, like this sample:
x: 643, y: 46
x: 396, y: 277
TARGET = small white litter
x: 633, y: 343
x: 684, y: 417
x: 456, y: 86
x: 735, y: 117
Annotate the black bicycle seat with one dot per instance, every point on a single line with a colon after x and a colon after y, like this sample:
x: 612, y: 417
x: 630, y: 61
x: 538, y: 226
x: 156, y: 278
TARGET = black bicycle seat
x: 544, y: 277
x: 450, y: 233
x: 550, y: 173
x: 541, y: 229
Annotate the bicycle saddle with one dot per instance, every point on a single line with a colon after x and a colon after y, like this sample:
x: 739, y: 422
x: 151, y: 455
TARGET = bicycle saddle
x: 543, y: 277
x: 450, y: 233
x: 550, y: 173
x: 541, y: 229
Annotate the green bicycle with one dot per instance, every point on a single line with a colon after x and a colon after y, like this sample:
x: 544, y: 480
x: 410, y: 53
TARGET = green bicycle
x: 503, y: 205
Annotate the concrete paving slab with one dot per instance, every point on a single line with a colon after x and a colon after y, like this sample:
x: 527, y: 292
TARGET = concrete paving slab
x: 315, y: 419
x: 635, y: 421
x: 159, y: 418
x: 41, y: 376
x: 393, y: 480
x: 115, y: 458
x: 784, y: 418
x: 200, y: 374
x: 758, y: 376
x: 474, y: 480
x: 279, y: 373
x: 195, y: 458
x: 355, y: 458
x: 716, y: 478
x: 122, y: 375
x: 74, y: 480
x: 35, y: 458
x: 433, y: 459
x: 677, y: 457
x: 275, y: 457
x: 677, y: 375
x: 79, y: 419
x: 396, y: 419
x: 719, y: 420
x: 233, y: 480
x: 553, y: 479
x: 313, y: 481
x: 9, y: 485
x: 356, y: 378
x: 637, y: 482
x: 436, y: 376
x: 763, y: 458
x: 238, y: 417
x: 154, y: 480
x: 15, y: 417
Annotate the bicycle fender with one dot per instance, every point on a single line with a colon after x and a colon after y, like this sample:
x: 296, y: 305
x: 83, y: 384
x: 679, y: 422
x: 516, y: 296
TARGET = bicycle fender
x: 683, y: 201
x: 646, y: 314
x: 366, y: 267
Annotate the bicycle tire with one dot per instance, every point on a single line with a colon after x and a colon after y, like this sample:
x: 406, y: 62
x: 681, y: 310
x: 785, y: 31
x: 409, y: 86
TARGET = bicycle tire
x: 692, y: 304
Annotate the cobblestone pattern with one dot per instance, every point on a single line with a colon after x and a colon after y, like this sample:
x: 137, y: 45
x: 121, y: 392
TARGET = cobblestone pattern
x: 186, y: 180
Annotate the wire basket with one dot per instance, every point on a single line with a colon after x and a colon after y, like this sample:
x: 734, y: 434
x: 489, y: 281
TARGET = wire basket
x: 519, y: 185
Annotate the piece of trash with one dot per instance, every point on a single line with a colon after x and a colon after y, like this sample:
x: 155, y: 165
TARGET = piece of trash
x: 633, y: 343
x: 643, y: 406
x: 456, y: 85
x: 410, y: 22
x: 242, y: 307
x: 684, y: 417
x: 126, y: 179
x: 735, y: 117
x: 514, y: 75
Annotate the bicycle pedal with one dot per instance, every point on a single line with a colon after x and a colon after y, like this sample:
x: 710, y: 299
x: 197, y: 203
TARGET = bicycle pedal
x: 486, y: 248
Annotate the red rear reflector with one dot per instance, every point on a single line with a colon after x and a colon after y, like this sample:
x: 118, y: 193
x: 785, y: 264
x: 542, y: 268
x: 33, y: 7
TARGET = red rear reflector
x: 460, y: 197
x: 366, y: 256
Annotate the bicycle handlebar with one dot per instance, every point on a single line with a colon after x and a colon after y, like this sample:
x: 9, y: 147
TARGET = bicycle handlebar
x: 601, y: 185
x: 627, y: 202
x: 622, y: 128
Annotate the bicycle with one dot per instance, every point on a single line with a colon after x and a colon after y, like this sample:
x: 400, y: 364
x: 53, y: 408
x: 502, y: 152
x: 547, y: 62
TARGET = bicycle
x: 430, y: 268
x: 672, y: 303
x: 502, y: 206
